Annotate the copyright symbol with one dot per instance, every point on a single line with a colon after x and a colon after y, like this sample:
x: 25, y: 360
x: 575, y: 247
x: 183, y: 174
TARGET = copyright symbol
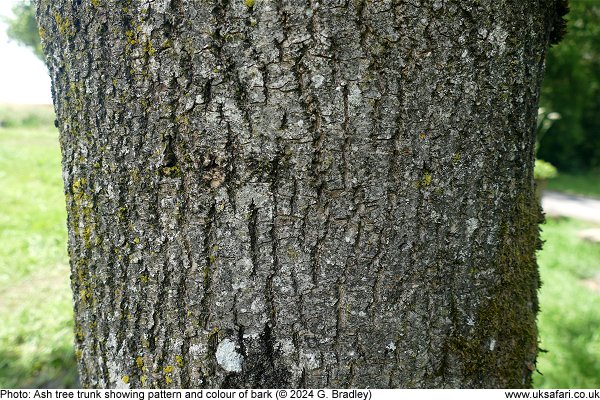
x: 282, y: 394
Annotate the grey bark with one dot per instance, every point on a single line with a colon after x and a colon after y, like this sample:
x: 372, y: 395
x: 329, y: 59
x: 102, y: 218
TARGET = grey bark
x: 300, y: 193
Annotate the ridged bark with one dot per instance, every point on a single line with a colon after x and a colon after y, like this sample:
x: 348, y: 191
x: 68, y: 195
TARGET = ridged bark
x: 300, y: 193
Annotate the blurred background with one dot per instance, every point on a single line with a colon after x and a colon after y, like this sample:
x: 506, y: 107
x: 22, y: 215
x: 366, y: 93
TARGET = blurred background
x: 36, y: 331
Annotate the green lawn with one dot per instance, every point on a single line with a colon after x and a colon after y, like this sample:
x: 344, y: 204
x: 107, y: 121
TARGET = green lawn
x: 569, y: 321
x: 587, y: 184
x: 28, y: 116
x: 35, y: 302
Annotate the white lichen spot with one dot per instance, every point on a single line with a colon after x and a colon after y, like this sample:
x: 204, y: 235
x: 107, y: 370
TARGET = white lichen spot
x: 256, y: 305
x: 228, y: 357
x: 391, y: 346
x: 472, y: 224
x: 197, y: 350
x: 497, y: 38
x: 355, y: 96
x: 351, y: 233
x: 245, y: 264
x: 317, y: 81
x: 286, y: 346
x: 115, y: 375
x: 161, y: 5
x: 251, y: 335
x: 470, y: 321
x: 310, y: 361
x: 251, y: 75
x: 111, y: 191
x: 482, y: 32
x: 239, y: 285
x: 121, y: 384
x: 492, y: 344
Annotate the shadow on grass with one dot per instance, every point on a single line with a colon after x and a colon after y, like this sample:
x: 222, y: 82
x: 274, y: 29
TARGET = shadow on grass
x: 57, y: 370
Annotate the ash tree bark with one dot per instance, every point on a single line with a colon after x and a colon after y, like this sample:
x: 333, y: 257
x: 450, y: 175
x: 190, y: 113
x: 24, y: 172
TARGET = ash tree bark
x: 300, y: 193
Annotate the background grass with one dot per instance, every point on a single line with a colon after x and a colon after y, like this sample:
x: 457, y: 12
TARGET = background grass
x: 35, y: 301
x: 29, y: 116
x: 36, y: 331
x: 569, y: 321
x: 584, y: 183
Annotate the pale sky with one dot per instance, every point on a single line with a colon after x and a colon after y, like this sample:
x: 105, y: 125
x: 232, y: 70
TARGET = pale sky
x: 23, y: 77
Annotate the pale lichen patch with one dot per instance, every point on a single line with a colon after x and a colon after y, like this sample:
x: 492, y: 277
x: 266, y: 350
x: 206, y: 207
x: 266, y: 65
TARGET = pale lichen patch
x: 120, y: 379
x: 472, y: 224
x: 228, y: 357
x: 317, y: 81
x: 310, y: 360
x: 197, y: 350
x: 498, y: 39
x: 355, y: 96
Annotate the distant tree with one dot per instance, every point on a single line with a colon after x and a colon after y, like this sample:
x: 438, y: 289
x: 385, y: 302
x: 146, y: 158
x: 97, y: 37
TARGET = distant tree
x: 23, y: 28
x: 572, y: 88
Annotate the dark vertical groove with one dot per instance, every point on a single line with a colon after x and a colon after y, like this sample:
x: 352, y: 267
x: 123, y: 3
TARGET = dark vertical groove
x: 159, y: 330
x: 180, y: 297
x: 253, y: 234
x: 313, y: 115
x: 340, y: 305
x: 233, y: 160
x: 270, y: 292
x: 294, y: 197
x: 103, y: 369
x: 184, y: 311
x: 346, y: 146
x: 207, y: 93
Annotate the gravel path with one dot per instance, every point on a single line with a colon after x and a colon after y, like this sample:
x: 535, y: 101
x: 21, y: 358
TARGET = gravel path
x: 565, y: 205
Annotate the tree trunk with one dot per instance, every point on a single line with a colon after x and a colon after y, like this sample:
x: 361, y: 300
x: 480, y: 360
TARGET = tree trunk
x: 300, y: 194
